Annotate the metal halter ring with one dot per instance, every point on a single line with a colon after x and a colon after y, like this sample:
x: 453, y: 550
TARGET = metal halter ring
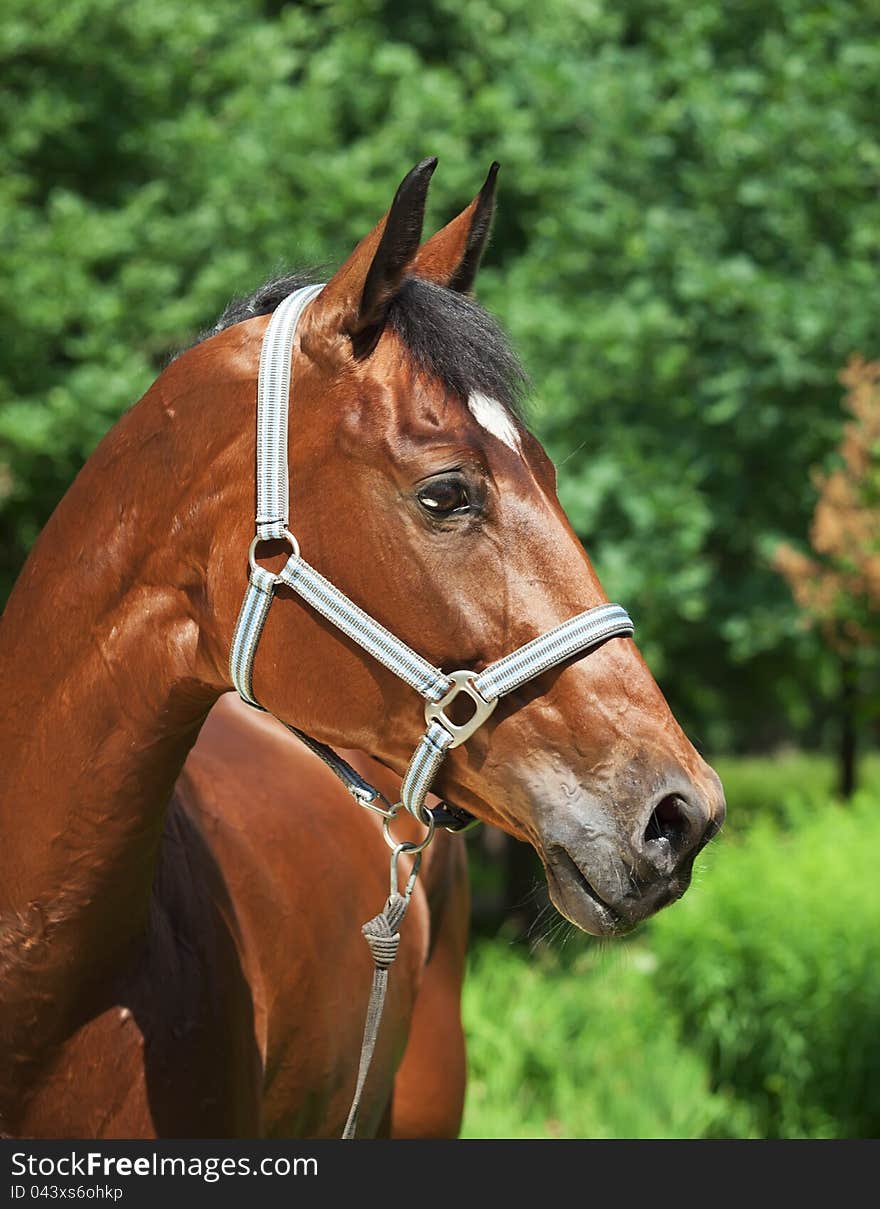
x: 462, y: 682
x: 407, y: 845
x: 286, y: 535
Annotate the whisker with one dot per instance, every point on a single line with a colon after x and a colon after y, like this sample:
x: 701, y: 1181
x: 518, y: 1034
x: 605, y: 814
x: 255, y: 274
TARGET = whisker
x: 559, y: 465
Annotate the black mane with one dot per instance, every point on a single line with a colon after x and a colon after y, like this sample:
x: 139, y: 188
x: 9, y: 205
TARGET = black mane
x: 448, y: 335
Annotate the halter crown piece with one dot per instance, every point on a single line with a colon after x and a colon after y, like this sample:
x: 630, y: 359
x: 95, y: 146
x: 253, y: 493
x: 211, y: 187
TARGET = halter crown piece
x: 440, y: 689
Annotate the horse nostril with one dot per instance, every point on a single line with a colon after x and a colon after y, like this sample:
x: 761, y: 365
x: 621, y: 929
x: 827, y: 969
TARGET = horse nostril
x: 670, y: 821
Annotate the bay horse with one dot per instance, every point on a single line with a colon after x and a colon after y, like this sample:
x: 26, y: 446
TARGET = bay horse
x: 170, y: 955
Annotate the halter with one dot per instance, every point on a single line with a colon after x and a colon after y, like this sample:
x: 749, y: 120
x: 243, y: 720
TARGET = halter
x: 440, y: 689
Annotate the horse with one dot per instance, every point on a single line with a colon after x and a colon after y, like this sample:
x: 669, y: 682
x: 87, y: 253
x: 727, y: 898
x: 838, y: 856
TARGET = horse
x: 164, y: 962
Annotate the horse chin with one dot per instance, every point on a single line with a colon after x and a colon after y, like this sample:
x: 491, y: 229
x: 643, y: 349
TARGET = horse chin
x: 574, y: 896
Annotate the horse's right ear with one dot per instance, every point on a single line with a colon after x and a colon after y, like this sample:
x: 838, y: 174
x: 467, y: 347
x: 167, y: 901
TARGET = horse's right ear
x: 355, y: 301
x: 452, y: 256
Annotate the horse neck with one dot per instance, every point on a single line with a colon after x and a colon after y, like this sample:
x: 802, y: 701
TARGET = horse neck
x: 110, y: 664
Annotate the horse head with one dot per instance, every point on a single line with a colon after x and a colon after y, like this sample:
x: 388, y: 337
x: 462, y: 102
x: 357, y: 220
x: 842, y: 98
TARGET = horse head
x: 417, y: 489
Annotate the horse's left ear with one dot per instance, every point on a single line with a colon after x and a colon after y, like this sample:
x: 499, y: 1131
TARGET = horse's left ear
x: 355, y: 300
x: 452, y: 256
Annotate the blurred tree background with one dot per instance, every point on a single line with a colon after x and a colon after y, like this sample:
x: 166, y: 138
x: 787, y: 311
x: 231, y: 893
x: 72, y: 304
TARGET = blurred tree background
x: 685, y: 255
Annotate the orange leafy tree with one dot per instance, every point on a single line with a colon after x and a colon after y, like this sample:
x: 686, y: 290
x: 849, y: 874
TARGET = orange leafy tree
x: 837, y: 585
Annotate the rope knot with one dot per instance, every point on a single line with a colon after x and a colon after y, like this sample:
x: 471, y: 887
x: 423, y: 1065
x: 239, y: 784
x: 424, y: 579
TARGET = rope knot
x: 381, y: 932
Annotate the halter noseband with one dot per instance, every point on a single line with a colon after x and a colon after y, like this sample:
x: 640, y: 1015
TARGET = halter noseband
x: 440, y: 689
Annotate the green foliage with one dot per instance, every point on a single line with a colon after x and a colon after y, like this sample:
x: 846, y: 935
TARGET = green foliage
x: 748, y: 1009
x: 772, y: 966
x: 686, y: 243
x: 580, y: 1049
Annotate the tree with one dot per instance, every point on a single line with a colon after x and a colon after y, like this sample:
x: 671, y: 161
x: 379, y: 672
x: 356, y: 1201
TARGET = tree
x: 838, y: 587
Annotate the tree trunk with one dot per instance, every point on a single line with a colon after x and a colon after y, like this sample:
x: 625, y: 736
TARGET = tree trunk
x: 847, y: 751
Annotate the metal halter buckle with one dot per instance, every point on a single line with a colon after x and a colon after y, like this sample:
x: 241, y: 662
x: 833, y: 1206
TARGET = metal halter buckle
x: 462, y: 682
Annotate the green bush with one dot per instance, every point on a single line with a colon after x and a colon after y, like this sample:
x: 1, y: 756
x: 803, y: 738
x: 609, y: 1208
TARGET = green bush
x: 771, y: 964
x: 749, y: 1009
x: 580, y: 1048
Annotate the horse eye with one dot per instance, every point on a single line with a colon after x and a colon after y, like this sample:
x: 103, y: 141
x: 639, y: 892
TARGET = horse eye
x: 443, y: 497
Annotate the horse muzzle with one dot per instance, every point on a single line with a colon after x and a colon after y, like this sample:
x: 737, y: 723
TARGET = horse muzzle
x: 606, y: 878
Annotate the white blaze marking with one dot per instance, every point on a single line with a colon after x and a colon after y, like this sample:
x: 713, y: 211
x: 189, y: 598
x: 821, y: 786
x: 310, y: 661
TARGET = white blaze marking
x: 493, y: 416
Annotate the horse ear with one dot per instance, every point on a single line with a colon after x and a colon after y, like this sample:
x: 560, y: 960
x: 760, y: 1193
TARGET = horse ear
x: 452, y: 256
x: 356, y: 298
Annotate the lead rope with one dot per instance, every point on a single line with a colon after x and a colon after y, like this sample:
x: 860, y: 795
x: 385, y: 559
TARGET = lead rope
x: 382, y: 934
x: 383, y: 937
x: 580, y: 633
